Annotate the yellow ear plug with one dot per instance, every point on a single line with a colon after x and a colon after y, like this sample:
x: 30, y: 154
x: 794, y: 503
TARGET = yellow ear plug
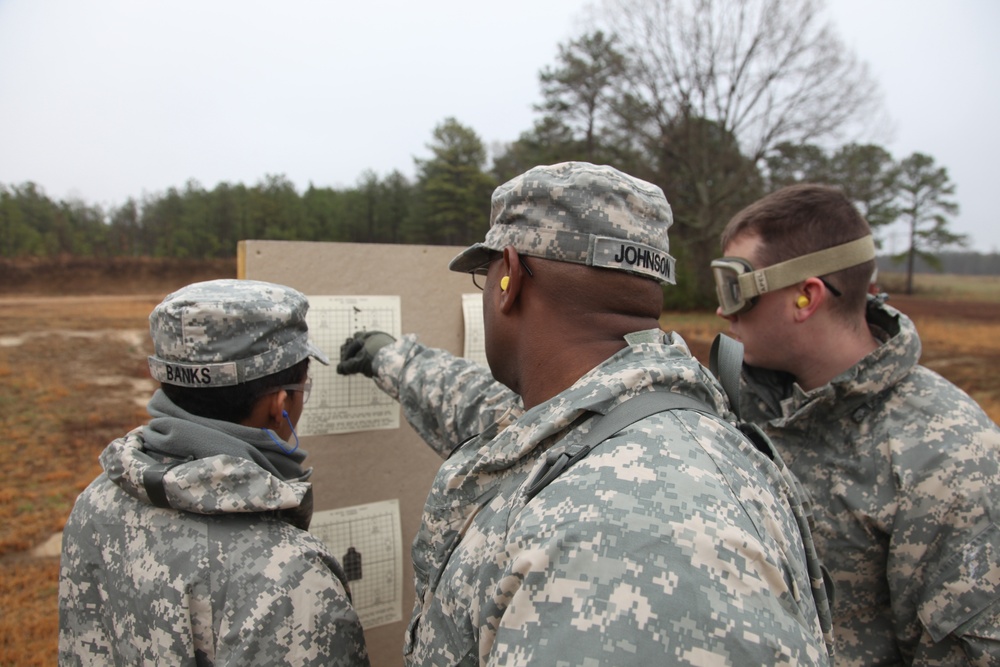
x: 504, y: 282
x: 802, y: 301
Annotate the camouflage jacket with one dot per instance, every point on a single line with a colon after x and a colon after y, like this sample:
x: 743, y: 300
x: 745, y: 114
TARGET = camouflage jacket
x: 673, y: 542
x: 903, y: 470
x: 220, y: 577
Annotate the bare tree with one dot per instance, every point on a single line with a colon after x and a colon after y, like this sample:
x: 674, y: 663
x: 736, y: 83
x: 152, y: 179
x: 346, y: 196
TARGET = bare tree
x: 764, y: 72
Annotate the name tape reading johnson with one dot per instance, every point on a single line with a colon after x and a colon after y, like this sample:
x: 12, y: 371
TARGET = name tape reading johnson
x: 630, y: 256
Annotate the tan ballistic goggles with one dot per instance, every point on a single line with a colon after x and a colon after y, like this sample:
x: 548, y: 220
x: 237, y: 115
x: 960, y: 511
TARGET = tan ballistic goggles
x: 738, y: 285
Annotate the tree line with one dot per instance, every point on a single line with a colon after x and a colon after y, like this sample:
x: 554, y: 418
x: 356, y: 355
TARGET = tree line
x: 716, y: 106
x: 952, y: 262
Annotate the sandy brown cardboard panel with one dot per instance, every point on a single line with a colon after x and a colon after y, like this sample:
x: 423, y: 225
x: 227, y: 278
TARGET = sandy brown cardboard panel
x: 359, y: 468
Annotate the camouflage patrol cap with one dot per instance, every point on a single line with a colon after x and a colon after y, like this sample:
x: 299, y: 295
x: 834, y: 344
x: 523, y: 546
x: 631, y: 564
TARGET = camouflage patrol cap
x: 582, y: 213
x: 220, y: 333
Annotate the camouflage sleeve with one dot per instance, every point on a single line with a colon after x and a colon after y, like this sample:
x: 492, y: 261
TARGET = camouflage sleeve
x: 960, y: 610
x: 944, y: 561
x: 291, y: 609
x: 446, y: 399
x: 979, y: 640
x: 83, y: 637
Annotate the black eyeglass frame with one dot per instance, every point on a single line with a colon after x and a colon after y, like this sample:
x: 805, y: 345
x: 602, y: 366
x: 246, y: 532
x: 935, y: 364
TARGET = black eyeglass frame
x: 485, y: 268
x: 304, y: 387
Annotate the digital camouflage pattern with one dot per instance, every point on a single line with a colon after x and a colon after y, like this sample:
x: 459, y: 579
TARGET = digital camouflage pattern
x: 673, y: 542
x: 904, y: 471
x: 224, y: 332
x: 220, y: 577
x: 581, y: 213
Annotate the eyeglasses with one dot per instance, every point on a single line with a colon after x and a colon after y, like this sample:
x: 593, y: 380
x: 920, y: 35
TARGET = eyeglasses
x: 479, y: 273
x: 304, y: 387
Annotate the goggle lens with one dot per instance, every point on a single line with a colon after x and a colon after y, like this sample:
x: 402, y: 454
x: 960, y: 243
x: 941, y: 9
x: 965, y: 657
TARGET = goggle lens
x: 727, y: 272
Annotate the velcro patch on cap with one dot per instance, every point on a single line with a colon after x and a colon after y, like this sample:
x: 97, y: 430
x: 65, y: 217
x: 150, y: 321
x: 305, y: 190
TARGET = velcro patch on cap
x: 199, y: 376
x: 612, y: 253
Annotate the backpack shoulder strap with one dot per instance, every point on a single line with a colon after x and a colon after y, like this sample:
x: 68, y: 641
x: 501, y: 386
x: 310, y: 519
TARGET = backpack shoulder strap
x: 624, y: 414
x: 726, y: 363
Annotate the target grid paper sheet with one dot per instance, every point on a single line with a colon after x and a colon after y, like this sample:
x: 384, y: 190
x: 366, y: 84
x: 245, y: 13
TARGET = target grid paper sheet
x: 368, y: 542
x: 344, y: 404
x: 475, y: 337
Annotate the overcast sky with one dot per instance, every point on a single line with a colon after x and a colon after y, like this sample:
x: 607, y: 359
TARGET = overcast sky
x: 105, y: 99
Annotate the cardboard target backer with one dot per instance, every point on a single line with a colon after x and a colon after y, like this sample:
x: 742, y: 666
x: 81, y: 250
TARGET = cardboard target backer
x: 371, y: 472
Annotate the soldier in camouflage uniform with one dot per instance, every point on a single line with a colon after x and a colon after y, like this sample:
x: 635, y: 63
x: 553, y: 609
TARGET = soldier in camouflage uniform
x: 191, y: 548
x: 902, y: 466
x: 674, y: 542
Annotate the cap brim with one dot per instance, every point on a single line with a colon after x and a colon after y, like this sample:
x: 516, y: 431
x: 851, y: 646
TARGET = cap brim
x: 317, y: 354
x: 471, y: 258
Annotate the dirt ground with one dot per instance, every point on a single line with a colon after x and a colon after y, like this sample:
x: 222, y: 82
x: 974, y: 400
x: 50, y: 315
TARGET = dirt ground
x: 73, y: 376
x: 918, y: 307
x: 961, y: 341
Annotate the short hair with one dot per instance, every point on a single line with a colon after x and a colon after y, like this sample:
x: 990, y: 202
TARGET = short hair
x: 234, y: 403
x: 804, y: 218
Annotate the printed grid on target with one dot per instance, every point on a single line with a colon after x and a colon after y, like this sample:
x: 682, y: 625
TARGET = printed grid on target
x: 347, y: 403
x: 366, y: 549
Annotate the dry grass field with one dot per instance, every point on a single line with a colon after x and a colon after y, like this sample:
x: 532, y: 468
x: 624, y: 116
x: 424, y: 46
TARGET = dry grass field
x: 73, y: 377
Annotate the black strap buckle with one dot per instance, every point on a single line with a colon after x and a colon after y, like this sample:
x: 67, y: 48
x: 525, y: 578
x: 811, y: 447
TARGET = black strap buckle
x: 554, y: 465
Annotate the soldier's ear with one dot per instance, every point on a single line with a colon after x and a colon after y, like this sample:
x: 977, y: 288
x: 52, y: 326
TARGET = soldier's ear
x: 267, y: 411
x: 278, y: 406
x: 510, y: 283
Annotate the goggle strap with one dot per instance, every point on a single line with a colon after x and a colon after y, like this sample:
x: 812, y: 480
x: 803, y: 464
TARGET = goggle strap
x: 818, y: 263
